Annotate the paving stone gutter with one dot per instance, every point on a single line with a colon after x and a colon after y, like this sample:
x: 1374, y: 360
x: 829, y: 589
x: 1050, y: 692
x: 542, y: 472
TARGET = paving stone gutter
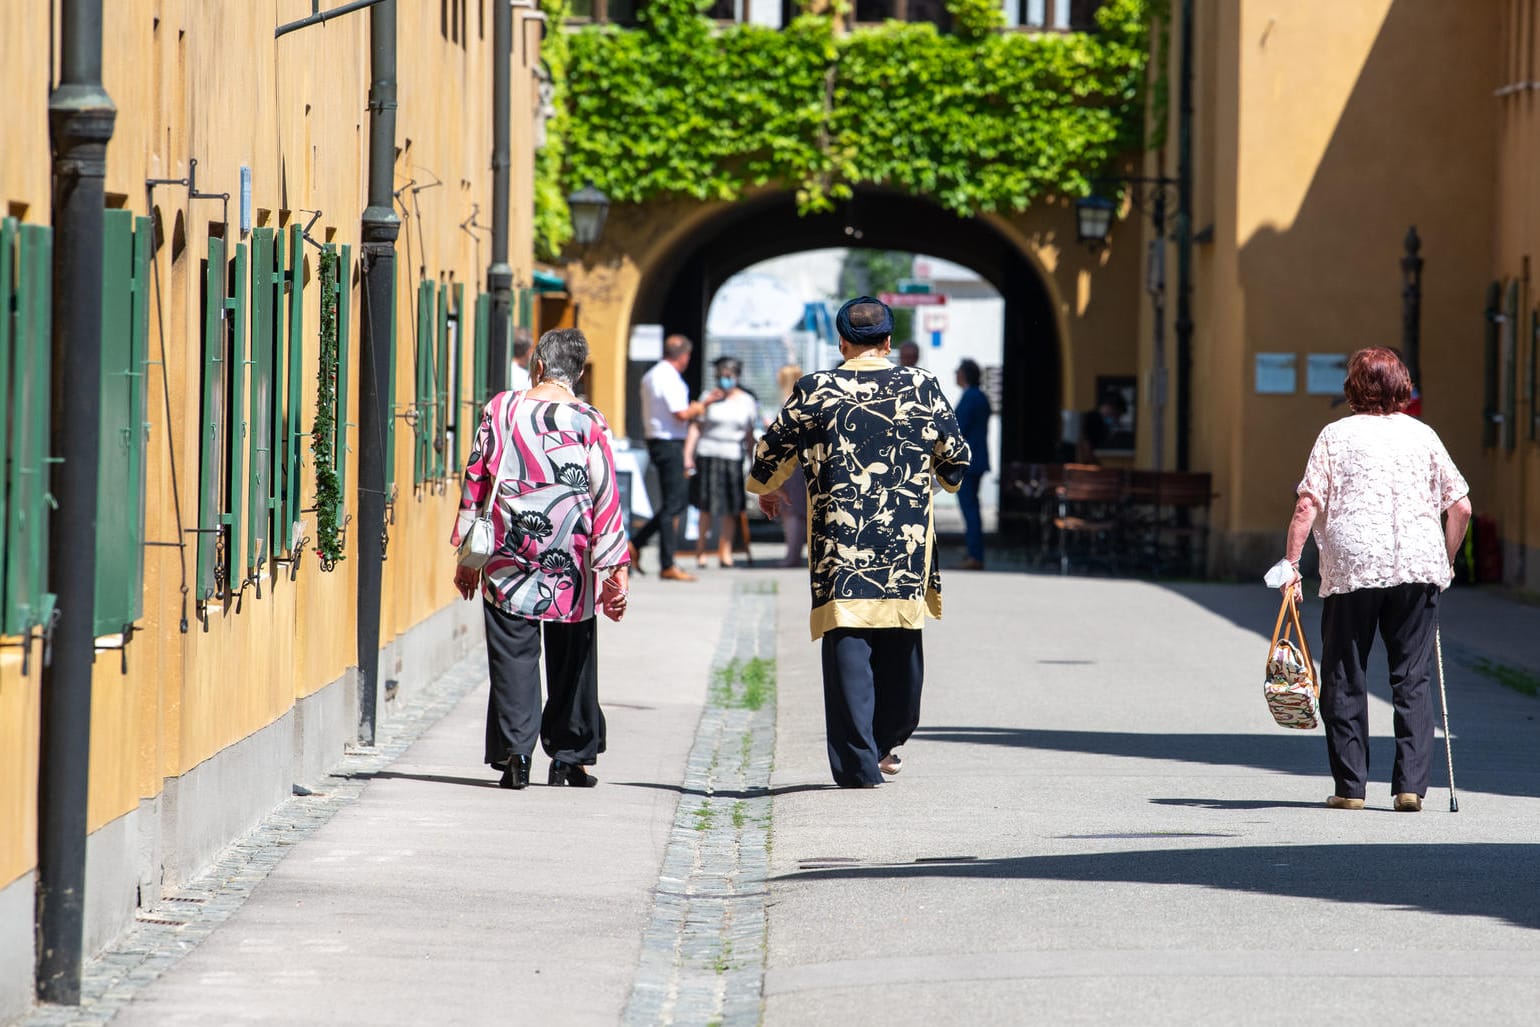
x: 703, y: 955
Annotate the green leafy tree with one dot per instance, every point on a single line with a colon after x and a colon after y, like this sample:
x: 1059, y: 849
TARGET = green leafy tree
x: 869, y: 272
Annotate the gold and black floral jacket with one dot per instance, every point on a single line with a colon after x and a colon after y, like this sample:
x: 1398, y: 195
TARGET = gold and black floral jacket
x: 872, y: 439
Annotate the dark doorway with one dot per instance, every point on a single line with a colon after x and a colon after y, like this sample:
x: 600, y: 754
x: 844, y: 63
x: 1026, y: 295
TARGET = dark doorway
x: 678, y: 291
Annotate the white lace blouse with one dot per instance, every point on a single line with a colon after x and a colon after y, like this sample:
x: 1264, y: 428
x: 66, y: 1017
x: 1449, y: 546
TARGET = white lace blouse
x: 1381, y: 484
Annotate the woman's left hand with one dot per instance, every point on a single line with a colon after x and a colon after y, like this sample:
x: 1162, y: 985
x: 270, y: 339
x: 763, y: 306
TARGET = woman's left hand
x: 466, y: 581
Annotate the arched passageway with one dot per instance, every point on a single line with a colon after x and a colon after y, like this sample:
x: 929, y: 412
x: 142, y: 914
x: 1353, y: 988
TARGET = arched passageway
x: 676, y: 290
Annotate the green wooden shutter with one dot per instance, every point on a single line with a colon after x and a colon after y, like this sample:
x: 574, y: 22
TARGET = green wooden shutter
x: 7, y: 340
x: 237, y: 426
x: 1510, y: 373
x: 295, y: 403
x: 1534, y: 375
x: 456, y: 377
x: 28, y: 603
x: 120, y: 475
x: 212, y: 419
x: 1489, y: 414
x: 344, y: 306
x: 422, y: 462
x: 479, y: 395
x: 259, y: 484
x: 441, y: 386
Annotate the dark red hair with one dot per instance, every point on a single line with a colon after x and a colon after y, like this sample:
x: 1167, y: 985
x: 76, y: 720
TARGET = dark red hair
x: 1377, y: 382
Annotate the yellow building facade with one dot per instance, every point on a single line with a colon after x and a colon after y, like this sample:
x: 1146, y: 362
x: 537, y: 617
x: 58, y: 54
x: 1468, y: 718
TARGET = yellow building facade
x: 225, y: 697
x: 1322, y: 133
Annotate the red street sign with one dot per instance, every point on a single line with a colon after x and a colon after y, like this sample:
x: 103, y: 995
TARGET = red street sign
x: 913, y: 299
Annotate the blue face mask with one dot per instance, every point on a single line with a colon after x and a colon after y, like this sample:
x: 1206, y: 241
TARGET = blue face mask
x: 726, y: 384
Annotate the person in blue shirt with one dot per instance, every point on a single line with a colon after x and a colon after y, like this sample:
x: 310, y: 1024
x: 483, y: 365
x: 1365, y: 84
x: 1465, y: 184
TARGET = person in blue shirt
x: 973, y: 419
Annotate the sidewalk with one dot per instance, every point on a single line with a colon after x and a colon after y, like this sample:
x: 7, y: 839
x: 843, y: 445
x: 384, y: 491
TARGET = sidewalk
x: 1097, y: 822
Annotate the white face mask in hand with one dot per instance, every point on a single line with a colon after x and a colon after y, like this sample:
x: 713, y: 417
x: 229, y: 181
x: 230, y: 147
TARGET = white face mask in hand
x: 1279, y: 574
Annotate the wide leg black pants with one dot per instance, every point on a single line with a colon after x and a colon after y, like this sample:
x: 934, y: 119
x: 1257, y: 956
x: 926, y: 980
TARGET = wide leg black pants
x: 1406, y: 617
x: 872, y: 679
x: 571, y: 728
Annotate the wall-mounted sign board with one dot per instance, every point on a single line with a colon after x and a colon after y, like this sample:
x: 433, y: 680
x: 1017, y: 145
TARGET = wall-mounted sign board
x: 1277, y: 374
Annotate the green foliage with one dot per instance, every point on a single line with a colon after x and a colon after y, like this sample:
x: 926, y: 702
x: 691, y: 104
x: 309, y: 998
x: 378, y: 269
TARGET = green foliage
x: 978, y: 120
x: 869, y: 272
x: 323, y: 431
x: 553, y: 222
x: 975, y: 19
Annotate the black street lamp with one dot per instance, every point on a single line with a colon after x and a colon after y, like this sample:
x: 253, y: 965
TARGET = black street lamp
x: 1093, y: 222
x: 589, y: 208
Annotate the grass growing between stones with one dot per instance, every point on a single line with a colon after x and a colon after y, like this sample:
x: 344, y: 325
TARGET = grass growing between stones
x: 1516, y: 678
x: 704, y: 817
x: 743, y: 684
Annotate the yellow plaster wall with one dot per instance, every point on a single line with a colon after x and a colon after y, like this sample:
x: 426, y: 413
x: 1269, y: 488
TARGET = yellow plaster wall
x: 208, y: 81
x: 1315, y: 151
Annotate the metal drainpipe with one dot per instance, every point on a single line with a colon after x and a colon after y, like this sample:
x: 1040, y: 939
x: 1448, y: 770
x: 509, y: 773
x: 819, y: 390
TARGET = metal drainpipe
x: 381, y: 226
x: 1184, y: 249
x: 499, y: 273
x: 80, y: 122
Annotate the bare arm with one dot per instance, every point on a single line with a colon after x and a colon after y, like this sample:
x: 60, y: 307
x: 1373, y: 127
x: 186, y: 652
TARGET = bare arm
x: 1457, y: 519
x: 691, y: 440
x: 1305, y: 511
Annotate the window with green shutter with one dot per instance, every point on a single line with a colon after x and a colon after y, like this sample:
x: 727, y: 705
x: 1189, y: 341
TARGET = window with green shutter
x: 221, y: 481
x: 26, y: 328
x: 266, y: 329
x: 344, y: 328
x: 124, y: 429
x: 1534, y: 375
x: 390, y: 393
x: 422, y: 454
x: 294, y: 404
x: 441, y: 387
x: 481, y: 368
x: 455, y: 376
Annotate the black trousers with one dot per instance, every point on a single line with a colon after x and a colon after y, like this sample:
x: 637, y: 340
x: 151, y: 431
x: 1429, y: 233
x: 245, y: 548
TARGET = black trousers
x: 1406, y: 617
x: 571, y: 728
x: 871, y: 697
x: 667, y: 455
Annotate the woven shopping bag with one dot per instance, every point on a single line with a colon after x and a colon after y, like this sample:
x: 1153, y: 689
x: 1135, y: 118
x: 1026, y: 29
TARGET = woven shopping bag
x: 1291, y: 689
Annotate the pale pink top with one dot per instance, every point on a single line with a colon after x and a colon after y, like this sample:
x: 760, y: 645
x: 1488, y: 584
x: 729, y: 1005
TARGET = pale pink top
x: 1381, y: 483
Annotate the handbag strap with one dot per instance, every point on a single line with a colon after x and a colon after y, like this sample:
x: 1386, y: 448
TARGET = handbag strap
x: 497, y: 472
x: 1282, y: 631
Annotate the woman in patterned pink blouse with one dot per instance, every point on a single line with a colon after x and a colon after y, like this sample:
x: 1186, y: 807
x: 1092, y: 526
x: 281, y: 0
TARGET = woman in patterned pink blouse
x: 557, y: 523
x: 1375, y: 491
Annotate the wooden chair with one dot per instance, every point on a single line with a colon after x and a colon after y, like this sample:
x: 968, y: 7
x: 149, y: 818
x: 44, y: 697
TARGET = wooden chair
x: 1090, y: 500
x: 1182, y: 518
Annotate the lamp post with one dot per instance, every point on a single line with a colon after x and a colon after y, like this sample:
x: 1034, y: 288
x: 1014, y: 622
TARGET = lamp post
x: 589, y: 208
x: 1093, y: 223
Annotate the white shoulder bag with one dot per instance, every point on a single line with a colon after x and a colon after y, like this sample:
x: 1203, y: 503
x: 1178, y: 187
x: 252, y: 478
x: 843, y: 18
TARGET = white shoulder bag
x: 479, y: 541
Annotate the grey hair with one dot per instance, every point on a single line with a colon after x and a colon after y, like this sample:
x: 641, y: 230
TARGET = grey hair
x: 562, y: 352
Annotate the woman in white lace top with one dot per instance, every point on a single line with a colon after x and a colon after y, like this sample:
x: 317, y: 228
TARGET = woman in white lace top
x: 1376, y: 492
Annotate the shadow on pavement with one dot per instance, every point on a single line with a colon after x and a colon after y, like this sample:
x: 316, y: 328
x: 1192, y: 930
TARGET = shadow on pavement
x: 443, y: 779
x: 1237, y: 804
x: 729, y: 793
x: 1500, y: 881
x: 1301, y: 753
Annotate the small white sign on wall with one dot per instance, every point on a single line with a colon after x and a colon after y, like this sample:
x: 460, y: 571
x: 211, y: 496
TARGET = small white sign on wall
x: 646, y: 342
x: 1277, y: 374
x: 1325, y: 373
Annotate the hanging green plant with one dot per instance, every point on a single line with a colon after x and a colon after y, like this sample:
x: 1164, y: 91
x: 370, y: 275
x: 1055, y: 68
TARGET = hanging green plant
x: 323, y: 432
x: 979, y: 120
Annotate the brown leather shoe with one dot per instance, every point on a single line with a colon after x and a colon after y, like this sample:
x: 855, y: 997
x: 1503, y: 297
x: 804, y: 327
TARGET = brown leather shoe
x: 971, y: 564
x: 675, y: 574
x: 1407, y: 802
x: 1341, y: 802
x: 636, y: 558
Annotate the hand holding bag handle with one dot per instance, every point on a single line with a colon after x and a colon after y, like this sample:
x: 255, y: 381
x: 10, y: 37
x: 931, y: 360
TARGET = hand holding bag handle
x: 1282, y: 631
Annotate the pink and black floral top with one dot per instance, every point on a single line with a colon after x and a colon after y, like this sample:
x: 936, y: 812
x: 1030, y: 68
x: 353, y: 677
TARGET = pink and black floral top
x: 557, y: 516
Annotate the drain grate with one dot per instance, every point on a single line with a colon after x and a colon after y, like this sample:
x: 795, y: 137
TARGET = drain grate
x: 186, y: 898
x: 163, y: 921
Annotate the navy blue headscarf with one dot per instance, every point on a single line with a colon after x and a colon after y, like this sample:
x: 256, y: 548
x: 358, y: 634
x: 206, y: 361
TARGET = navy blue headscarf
x: 864, y: 321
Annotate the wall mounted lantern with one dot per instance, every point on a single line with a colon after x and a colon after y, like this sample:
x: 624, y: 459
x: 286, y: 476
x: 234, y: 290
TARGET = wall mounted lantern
x: 589, y: 208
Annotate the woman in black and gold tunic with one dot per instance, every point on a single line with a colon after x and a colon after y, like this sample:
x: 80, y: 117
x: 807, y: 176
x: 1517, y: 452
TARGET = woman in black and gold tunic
x: 873, y: 440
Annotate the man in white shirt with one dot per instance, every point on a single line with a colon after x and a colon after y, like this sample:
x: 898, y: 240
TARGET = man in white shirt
x: 518, y: 370
x: 667, y: 412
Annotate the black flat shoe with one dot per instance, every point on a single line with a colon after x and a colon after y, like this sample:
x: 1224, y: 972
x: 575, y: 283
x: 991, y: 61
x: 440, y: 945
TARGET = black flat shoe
x: 515, y: 773
x: 570, y: 774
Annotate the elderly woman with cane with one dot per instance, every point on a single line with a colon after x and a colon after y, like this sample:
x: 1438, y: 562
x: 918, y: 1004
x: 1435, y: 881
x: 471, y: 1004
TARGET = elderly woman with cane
x: 1374, y: 490
x: 542, y: 470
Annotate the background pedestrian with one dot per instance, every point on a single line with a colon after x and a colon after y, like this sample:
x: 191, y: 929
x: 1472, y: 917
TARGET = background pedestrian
x: 714, y: 451
x: 973, y: 421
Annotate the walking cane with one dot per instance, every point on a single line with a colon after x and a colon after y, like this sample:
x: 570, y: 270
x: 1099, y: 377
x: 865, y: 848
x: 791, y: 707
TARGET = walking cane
x: 1443, y: 701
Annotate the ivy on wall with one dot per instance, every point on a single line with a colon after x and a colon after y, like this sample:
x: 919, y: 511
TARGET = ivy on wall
x: 323, y: 432
x: 978, y: 120
x: 553, y: 222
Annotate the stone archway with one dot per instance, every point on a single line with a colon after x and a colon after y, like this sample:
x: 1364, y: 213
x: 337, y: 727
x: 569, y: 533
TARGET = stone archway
x: 1070, y: 315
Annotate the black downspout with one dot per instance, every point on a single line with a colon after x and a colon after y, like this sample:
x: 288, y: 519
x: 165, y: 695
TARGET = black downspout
x: 80, y: 122
x: 1184, y: 249
x: 380, y: 228
x: 499, y: 273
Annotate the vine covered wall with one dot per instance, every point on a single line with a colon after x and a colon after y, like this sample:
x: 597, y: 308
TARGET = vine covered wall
x: 978, y: 120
